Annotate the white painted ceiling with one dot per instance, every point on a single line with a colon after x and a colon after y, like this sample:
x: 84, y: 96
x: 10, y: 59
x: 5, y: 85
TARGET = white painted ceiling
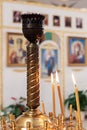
x: 68, y: 3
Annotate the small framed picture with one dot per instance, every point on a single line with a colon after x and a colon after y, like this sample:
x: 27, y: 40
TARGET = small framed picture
x: 56, y: 20
x: 16, y: 49
x: 45, y: 22
x: 17, y: 16
x: 79, y: 23
x: 48, y: 59
x: 76, y: 51
x: 68, y: 22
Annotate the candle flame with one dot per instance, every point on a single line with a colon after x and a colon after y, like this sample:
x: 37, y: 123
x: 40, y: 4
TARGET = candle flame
x: 57, y: 77
x: 51, y: 78
x: 74, y: 81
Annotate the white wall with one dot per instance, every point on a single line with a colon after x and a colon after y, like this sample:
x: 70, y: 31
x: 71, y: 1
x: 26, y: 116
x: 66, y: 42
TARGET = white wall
x: 14, y: 78
x: 14, y: 82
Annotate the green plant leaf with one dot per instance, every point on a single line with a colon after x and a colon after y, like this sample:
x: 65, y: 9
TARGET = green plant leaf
x: 72, y: 100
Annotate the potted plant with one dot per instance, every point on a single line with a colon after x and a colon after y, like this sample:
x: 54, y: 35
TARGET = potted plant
x: 71, y: 99
x: 16, y: 108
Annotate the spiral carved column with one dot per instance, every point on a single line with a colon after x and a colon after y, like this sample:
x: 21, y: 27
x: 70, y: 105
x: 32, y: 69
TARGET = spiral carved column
x: 33, y: 32
x: 32, y: 76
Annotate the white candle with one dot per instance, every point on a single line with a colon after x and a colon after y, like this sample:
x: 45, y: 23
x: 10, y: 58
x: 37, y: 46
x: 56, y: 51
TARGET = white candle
x: 53, y: 96
x: 59, y: 94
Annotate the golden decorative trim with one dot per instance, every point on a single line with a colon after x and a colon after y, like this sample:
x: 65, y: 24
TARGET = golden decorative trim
x: 47, y: 5
x: 20, y: 70
x: 68, y: 32
x: 1, y: 64
x: 9, y: 27
x: 77, y: 69
x: 63, y: 68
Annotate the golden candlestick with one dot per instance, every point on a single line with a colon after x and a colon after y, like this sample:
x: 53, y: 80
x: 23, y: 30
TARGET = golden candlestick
x: 33, y: 31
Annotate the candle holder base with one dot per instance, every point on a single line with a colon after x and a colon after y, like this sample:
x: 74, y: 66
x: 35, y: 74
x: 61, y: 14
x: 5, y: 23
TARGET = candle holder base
x: 36, y: 119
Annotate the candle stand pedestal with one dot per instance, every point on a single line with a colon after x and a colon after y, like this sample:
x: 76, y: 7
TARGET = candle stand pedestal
x: 33, y: 31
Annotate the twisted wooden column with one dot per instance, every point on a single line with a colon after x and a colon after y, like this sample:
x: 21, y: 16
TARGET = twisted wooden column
x: 33, y: 31
x: 32, y: 76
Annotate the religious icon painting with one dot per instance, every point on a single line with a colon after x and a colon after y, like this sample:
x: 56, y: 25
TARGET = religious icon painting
x: 68, y: 21
x: 17, y: 16
x: 45, y: 22
x: 48, y: 59
x: 79, y: 22
x: 76, y: 51
x: 56, y: 20
x: 16, y: 49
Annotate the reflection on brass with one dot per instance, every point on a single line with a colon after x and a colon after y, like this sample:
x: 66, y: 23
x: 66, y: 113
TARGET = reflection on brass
x: 57, y: 123
x: 71, y: 125
x: 28, y: 125
x: 35, y: 117
x: 13, y: 125
x: 11, y: 117
x: 45, y: 124
x: 3, y: 123
x: 51, y: 115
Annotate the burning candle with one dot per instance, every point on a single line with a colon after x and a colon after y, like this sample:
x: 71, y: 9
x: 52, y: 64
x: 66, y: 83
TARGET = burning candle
x: 59, y: 94
x: 77, y: 99
x: 53, y: 96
